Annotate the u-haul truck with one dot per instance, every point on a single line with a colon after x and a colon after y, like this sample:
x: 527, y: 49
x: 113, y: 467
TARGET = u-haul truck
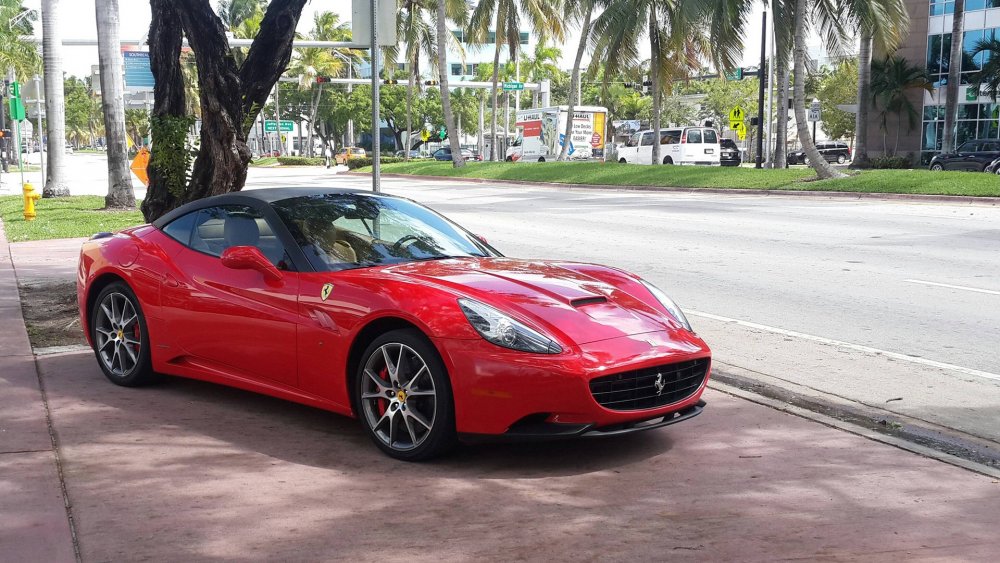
x: 541, y: 133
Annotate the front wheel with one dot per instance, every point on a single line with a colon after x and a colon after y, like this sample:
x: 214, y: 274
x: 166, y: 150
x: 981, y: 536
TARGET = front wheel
x: 622, y: 161
x: 668, y: 160
x: 120, y: 338
x: 936, y: 167
x: 841, y: 159
x: 404, y: 397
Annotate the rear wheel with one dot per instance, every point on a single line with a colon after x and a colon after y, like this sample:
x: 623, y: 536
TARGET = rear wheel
x: 120, y: 338
x: 936, y: 167
x: 621, y: 161
x: 541, y: 159
x: 841, y: 159
x: 668, y: 160
x: 404, y: 397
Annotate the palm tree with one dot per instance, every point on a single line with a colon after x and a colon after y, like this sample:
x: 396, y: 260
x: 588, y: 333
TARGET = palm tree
x: 419, y: 37
x: 681, y: 35
x: 235, y: 12
x: 55, y: 101
x: 137, y: 124
x: 583, y: 10
x: 892, y: 78
x: 15, y: 52
x: 544, y: 17
x: 954, y: 74
x: 458, y: 14
x: 987, y: 79
x: 120, y: 193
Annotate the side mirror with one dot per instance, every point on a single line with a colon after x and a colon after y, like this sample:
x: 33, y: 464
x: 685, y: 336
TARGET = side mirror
x: 250, y: 258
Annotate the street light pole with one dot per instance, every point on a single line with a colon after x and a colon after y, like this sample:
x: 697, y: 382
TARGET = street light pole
x: 376, y: 119
x: 761, y: 78
x: 38, y: 109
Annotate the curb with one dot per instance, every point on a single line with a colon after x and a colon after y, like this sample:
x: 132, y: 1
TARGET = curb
x: 924, y: 198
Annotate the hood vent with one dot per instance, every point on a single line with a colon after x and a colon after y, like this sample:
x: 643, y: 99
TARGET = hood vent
x: 588, y: 301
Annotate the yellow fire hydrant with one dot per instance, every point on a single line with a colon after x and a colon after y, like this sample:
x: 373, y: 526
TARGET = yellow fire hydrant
x: 30, y: 197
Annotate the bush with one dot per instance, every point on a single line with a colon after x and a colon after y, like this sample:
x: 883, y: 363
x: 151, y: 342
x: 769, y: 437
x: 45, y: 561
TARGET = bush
x: 300, y: 161
x: 355, y: 163
x: 890, y: 163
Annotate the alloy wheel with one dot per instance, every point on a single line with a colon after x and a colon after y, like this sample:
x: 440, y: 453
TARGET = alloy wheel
x: 398, y: 396
x: 118, y: 334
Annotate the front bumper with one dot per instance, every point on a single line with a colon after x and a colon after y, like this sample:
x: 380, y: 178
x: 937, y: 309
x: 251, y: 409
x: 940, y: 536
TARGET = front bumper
x: 504, y: 392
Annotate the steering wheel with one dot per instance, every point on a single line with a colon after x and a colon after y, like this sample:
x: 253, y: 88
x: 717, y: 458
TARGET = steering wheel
x: 398, y: 245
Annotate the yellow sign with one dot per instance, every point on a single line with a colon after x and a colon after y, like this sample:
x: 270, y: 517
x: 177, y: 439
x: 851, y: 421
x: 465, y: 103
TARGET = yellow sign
x: 741, y: 130
x: 599, y: 118
x: 425, y: 135
x: 139, y: 164
x: 326, y: 291
x: 736, y: 115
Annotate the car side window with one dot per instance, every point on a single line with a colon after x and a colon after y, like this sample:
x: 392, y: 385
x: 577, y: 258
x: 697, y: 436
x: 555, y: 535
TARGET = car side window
x: 633, y: 141
x: 670, y: 137
x: 180, y: 228
x: 218, y: 228
x: 647, y: 139
x: 966, y: 147
x: 694, y: 136
x: 710, y: 136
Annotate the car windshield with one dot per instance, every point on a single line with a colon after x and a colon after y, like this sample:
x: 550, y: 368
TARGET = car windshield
x: 343, y: 231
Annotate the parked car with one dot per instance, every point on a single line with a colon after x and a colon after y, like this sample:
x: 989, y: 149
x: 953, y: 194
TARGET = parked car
x: 832, y: 151
x: 680, y: 145
x: 444, y: 153
x: 294, y: 293
x: 347, y: 153
x: 994, y: 167
x: 729, y: 153
x: 974, y: 156
x: 414, y: 153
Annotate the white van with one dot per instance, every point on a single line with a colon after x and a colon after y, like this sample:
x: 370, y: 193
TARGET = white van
x: 678, y: 145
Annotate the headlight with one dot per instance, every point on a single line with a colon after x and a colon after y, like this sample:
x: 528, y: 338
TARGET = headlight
x: 502, y: 330
x: 669, y: 304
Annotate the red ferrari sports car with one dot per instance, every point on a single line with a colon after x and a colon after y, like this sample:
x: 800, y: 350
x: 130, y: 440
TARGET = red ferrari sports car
x: 376, y: 307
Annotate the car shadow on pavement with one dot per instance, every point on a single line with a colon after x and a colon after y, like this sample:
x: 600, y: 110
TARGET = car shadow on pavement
x: 187, y: 470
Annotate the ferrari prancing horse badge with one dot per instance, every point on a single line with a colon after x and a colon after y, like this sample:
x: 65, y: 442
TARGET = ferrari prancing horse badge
x: 326, y: 291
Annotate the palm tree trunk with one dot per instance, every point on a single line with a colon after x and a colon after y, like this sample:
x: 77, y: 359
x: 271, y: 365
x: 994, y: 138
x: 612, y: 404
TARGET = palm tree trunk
x: 899, y: 124
x: 818, y: 163
x: 954, y: 74
x: 449, y: 117
x: 409, y: 112
x: 496, y: 74
x: 575, y: 81
x: 313, y: 111
x: 781, y: 131
x: 654, y: 75
x: 55, y: 107
x: 120, y: 192
x: 864, y: 101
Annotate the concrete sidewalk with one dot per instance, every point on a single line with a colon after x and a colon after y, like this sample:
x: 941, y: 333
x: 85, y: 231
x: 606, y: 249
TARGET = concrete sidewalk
x: 192, y: 471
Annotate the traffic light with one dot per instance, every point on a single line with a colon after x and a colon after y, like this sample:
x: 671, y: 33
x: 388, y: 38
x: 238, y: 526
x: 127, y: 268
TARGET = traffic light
x: 443, y: 134
x: 431, y: 82
x: 390, y: 81
x: 629, y: 85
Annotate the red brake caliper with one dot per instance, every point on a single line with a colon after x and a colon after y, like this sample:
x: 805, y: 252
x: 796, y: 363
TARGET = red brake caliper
x: 383, y: 403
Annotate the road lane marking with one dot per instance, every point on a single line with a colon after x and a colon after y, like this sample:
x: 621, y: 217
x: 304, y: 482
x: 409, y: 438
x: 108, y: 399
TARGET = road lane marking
x: 948, y: 285
x: 849, y: 346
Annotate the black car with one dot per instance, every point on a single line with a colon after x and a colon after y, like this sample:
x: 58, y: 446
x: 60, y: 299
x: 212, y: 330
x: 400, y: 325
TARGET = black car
x: 972, y: 156
x: 832, y: 151
x: 729, y: 153
x: 445, y: 154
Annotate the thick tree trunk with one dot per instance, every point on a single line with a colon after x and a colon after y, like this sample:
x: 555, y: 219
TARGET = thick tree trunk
x: 954, y: 79
x: 864, y: 101
x: 496, y: 74
x: 575, y: 81
x: 449, y: 118
x: 165, y: 39
x: 410, y: 83
x: 781, y: 125
x: 654, y: 76
x: 55, y: 105
x: 120, y: 192
x: 818, y: 163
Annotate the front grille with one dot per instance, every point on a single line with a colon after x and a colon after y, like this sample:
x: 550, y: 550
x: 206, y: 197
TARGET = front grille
x: 638, y: 389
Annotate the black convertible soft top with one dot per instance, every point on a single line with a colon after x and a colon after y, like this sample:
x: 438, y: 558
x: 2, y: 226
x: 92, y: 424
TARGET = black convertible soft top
x: 251, y: 197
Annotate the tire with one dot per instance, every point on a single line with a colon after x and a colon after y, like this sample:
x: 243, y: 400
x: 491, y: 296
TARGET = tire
x: 841, y: 159
x: 117, y: 329
x: 510, y: 159
x: 402, y: 424
x: 936, y: 167
x: 668, y: 160
x: 541, y: 159
x: 622, y: 161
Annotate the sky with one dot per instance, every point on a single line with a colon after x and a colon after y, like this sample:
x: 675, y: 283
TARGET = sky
x: 78, y: 21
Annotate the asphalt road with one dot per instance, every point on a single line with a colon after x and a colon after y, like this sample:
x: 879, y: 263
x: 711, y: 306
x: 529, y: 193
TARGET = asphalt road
x: 894, y: 305
x: 891, y: 305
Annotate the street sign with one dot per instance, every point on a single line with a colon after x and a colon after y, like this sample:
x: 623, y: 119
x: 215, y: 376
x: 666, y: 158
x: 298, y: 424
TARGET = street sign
x: 971, y: 94
x: 271, y: 126
x: 138, y: 75
x: 814, y: 111
x: 736, y: 116
x: 513, y: 86
x: 425, y: 135
x: 139, y: 164
x: 443, y: 133
x: 735, y: 74
x: 741, y: 130
x: 16, y: 106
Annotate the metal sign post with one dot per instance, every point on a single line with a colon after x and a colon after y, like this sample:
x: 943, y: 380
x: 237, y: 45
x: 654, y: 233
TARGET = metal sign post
x: 376, y: 119
x: 38, y: 108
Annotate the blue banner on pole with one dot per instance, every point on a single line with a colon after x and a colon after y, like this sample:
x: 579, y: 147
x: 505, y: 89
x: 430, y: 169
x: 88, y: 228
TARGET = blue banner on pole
x: 138, y: 76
